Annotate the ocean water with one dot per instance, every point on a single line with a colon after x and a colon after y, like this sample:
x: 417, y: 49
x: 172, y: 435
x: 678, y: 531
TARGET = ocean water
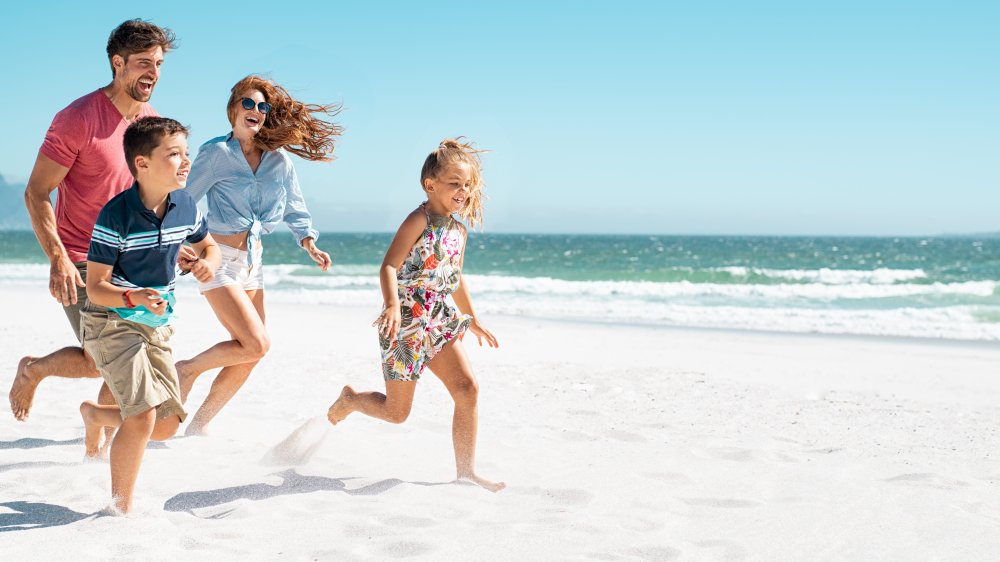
x: 911, y: 287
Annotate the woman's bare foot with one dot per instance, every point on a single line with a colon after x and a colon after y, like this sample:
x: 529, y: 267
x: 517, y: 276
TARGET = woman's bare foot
x: 480, y: 481
x: 342, y: 407
x: 92, y: 430
x: 22, y: 391
x: 186, y: 378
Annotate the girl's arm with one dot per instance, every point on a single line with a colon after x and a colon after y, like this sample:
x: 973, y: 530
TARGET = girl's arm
x: 101, y: 291
x: 409, y: 232
x: 464, y: 303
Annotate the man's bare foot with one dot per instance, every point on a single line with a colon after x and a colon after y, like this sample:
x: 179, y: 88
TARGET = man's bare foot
x: 342, y: 407
x: 92, y: 430
x: 186, y: 378
x: 22, y: 391
x: 480, y: 481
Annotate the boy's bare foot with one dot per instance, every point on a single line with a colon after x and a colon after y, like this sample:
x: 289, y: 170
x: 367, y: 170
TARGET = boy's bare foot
x: 342, y: 407
x: 186, y: 377
x: 92, y: 429
x: 22, y: 391
x: 480, y: 481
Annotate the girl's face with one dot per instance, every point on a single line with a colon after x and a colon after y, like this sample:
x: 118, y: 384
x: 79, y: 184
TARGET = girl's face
x: 448, y: 191
x: 249, y: 121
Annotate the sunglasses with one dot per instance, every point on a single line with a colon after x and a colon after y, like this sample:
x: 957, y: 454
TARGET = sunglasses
x: 249, y: 104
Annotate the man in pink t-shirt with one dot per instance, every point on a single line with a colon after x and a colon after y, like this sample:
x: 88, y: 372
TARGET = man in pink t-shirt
x: 82, y: 156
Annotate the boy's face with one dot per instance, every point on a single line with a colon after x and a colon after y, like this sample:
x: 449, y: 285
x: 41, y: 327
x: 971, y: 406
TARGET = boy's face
x: 168, y: 165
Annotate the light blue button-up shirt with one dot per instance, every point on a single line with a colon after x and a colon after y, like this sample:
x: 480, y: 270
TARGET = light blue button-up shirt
x: 242, y: 201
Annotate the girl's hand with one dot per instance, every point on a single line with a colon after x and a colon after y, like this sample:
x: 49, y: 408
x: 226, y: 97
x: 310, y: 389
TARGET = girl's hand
x: 201, y: 271
x: 389, y: 322
x: 319, y: 256
x: 151, y: 299
x: 481, y: 333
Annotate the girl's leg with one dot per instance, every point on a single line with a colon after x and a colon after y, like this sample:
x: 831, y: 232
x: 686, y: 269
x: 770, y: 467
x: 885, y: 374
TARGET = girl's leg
x: 393, y: 406
x: 242, y: 314
x: 451, y: 365
x: 231, y: 378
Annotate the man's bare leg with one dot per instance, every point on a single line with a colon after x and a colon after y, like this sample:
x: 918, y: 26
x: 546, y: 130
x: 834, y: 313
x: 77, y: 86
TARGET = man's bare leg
x: 68, y: 362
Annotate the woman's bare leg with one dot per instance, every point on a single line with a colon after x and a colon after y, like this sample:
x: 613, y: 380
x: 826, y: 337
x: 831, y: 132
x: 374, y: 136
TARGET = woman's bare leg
x: 231, y: 310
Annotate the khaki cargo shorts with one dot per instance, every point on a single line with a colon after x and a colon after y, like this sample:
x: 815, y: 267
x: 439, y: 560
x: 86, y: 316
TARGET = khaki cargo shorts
x: 135, y: 360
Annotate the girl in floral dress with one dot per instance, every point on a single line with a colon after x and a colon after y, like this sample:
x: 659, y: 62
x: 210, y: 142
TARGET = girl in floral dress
x: 418, y: 328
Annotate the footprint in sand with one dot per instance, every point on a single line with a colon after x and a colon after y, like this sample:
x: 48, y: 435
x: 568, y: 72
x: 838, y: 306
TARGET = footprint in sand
x: 721, y: 502
x: 927, y: 480
x: 406, y: 549
x: 730, y: 550
x: 656, y: 553
x: 625, y: 436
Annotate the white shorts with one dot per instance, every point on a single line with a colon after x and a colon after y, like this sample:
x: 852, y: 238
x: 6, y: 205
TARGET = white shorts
x: 234, y: 270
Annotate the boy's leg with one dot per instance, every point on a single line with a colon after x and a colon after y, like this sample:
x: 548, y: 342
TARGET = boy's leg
x: 451, y: 365
x: 126, y: 456
x: 393, y: 406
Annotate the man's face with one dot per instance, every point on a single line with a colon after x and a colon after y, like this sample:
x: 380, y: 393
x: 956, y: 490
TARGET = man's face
x: 140, y: 72
x: 169, y: 164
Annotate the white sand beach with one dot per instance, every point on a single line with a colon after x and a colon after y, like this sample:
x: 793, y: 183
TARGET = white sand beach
x: 616, y: 442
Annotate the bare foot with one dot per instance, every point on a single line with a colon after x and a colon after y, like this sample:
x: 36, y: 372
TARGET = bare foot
x: 92, y: 429
x: 22, y: 392
x: 186, y: 378
x: 342, y: 407
x: 480, y: 481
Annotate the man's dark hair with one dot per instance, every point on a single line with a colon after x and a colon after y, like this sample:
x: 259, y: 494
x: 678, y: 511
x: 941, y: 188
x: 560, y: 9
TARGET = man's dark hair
x: 144, y: 135
x: 136, y: 36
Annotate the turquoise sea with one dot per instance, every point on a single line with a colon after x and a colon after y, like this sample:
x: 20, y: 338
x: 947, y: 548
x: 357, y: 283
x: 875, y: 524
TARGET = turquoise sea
x: 946, y: 287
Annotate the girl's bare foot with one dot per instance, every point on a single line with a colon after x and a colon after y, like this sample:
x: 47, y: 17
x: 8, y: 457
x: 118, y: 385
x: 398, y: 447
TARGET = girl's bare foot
x: 342, y: 407
x: 480, y: 481
x: 22, y: 391
x: 186, y: 378
x: 92, y: 430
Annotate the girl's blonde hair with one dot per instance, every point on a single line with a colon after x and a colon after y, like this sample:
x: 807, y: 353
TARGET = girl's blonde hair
x: 453, y: 151
x: 290, y: 124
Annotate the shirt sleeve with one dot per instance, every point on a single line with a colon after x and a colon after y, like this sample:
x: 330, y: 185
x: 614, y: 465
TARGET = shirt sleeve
x: 201, y: 178
x: 106, y: 242
x: 199, y: 231
x: 65, y: 138
x: 297, y: 216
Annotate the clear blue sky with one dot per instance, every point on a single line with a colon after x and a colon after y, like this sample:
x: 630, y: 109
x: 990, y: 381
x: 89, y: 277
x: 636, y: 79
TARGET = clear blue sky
x: 661, y: 117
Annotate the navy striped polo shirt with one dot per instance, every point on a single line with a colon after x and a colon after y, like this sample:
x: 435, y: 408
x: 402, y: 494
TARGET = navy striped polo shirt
x: 141, y: 247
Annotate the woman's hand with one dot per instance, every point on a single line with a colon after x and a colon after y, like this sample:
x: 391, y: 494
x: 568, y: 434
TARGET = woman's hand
x: 319, y: 256
x: 389, y: 322
x: 202, y: 272
x: 481, y: 333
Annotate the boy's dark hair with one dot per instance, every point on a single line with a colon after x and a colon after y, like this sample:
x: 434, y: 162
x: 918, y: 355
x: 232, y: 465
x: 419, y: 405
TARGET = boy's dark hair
x: 136, y: 36
x: 144, y: 135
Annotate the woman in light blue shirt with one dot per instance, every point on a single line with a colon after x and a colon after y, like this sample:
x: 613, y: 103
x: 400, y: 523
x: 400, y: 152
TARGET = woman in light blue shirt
x: 250, y: 184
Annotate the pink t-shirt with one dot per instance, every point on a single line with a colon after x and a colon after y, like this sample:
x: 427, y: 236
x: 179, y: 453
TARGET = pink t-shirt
x: 86, y: 137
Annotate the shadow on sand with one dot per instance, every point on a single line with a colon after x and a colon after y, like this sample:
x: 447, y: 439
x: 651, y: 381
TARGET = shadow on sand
x: 30, y: 443
x: 294, y: 483
x: 37, y: 516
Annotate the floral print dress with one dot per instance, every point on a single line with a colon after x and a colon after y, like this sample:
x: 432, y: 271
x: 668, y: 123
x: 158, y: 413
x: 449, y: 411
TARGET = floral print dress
x: 429, y: 274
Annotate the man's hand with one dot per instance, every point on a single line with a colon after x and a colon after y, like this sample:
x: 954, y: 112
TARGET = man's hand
x: 64, y: 278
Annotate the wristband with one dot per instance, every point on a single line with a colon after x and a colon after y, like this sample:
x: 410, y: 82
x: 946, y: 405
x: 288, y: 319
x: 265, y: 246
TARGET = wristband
x: 126, y: 300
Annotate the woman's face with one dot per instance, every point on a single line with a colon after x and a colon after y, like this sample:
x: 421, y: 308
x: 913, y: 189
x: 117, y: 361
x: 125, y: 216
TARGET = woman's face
x: 249, y: 121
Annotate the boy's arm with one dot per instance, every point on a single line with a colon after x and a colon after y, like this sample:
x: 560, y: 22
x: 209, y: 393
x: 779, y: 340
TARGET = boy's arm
x: 100, y: 291
x: 204, y: 267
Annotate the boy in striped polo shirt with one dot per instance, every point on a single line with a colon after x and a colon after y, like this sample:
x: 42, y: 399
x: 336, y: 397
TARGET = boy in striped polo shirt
x: 125, y: 326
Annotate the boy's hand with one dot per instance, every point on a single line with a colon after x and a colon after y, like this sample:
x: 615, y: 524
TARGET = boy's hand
x: 187, y: 258
x: 389, y: 322
x: 481, y: 332
x: 151, y: 299
x: 202, y: 272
